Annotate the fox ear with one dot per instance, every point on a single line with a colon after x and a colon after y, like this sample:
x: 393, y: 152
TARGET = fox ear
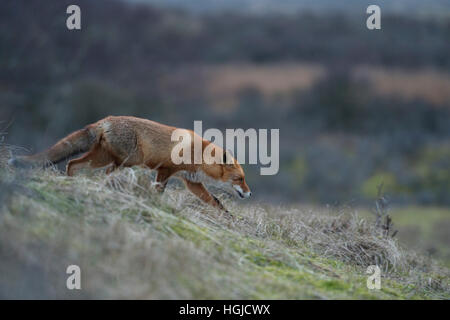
x: 226, y: 157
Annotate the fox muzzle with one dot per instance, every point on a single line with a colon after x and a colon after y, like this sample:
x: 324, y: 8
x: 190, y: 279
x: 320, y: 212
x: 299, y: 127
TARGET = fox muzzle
x: 241, y: 193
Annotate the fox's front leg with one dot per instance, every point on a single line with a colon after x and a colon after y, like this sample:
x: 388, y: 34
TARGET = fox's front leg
x: 200, y: 191
x: 162, y: 177
x: 97, y: 157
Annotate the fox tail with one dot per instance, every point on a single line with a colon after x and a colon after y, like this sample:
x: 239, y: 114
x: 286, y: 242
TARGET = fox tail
x: 75, y: 143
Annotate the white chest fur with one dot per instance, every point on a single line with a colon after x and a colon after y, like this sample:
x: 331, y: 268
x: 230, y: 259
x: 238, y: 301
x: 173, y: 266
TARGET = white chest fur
x: 200, y: 177
x: 192, y: 176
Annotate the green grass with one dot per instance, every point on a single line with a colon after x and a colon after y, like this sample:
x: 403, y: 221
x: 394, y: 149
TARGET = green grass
x: 424, y: 218
x: 133, y: 243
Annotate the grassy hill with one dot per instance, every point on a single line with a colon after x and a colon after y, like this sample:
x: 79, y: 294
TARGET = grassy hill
x: 133, y: 243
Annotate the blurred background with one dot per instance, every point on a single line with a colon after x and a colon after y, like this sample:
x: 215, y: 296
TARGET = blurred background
x: 355, y: 107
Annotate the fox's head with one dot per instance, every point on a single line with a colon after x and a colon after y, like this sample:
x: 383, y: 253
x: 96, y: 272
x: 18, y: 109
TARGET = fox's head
x: 233, y: 174
x: 230, y: 174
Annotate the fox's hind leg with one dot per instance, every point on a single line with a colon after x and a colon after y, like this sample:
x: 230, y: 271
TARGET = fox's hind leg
x: 200, y: 191
x: 162, y: 177
x: 112, y: 166
x: 98, y: 157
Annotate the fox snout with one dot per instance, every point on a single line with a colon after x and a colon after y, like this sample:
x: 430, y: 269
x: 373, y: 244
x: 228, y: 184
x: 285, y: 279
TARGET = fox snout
x: 242, y: 194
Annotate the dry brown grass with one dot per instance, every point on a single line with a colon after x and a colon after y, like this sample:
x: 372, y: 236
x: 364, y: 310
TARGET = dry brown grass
x: 427, y: 84
x: 222, y: 84
x: 131, y: 242
x: 227, y: 81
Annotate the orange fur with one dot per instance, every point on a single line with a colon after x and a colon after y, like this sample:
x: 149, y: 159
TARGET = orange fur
x: 127, y: 141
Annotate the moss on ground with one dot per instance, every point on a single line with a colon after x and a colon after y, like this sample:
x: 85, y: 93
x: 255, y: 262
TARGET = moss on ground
x: 151, y: 246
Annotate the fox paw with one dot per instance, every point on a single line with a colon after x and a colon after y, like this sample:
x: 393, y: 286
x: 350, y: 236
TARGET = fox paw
x: 158, y: 186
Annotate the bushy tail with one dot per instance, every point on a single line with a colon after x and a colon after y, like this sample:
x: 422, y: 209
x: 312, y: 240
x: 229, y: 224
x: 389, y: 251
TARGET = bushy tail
x: 77, y: 142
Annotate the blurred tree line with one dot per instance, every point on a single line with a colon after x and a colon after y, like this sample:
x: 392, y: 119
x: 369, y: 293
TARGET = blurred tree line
x: 338, y: 140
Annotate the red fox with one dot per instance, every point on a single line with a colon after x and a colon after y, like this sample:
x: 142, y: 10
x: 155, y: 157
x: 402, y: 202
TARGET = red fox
x: 127, y: 141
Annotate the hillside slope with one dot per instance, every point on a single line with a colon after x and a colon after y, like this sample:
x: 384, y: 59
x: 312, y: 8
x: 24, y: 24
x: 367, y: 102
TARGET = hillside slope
x: 132, y: 243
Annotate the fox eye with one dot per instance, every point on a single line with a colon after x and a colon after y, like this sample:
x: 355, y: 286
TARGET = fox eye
x: 240, y: 179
